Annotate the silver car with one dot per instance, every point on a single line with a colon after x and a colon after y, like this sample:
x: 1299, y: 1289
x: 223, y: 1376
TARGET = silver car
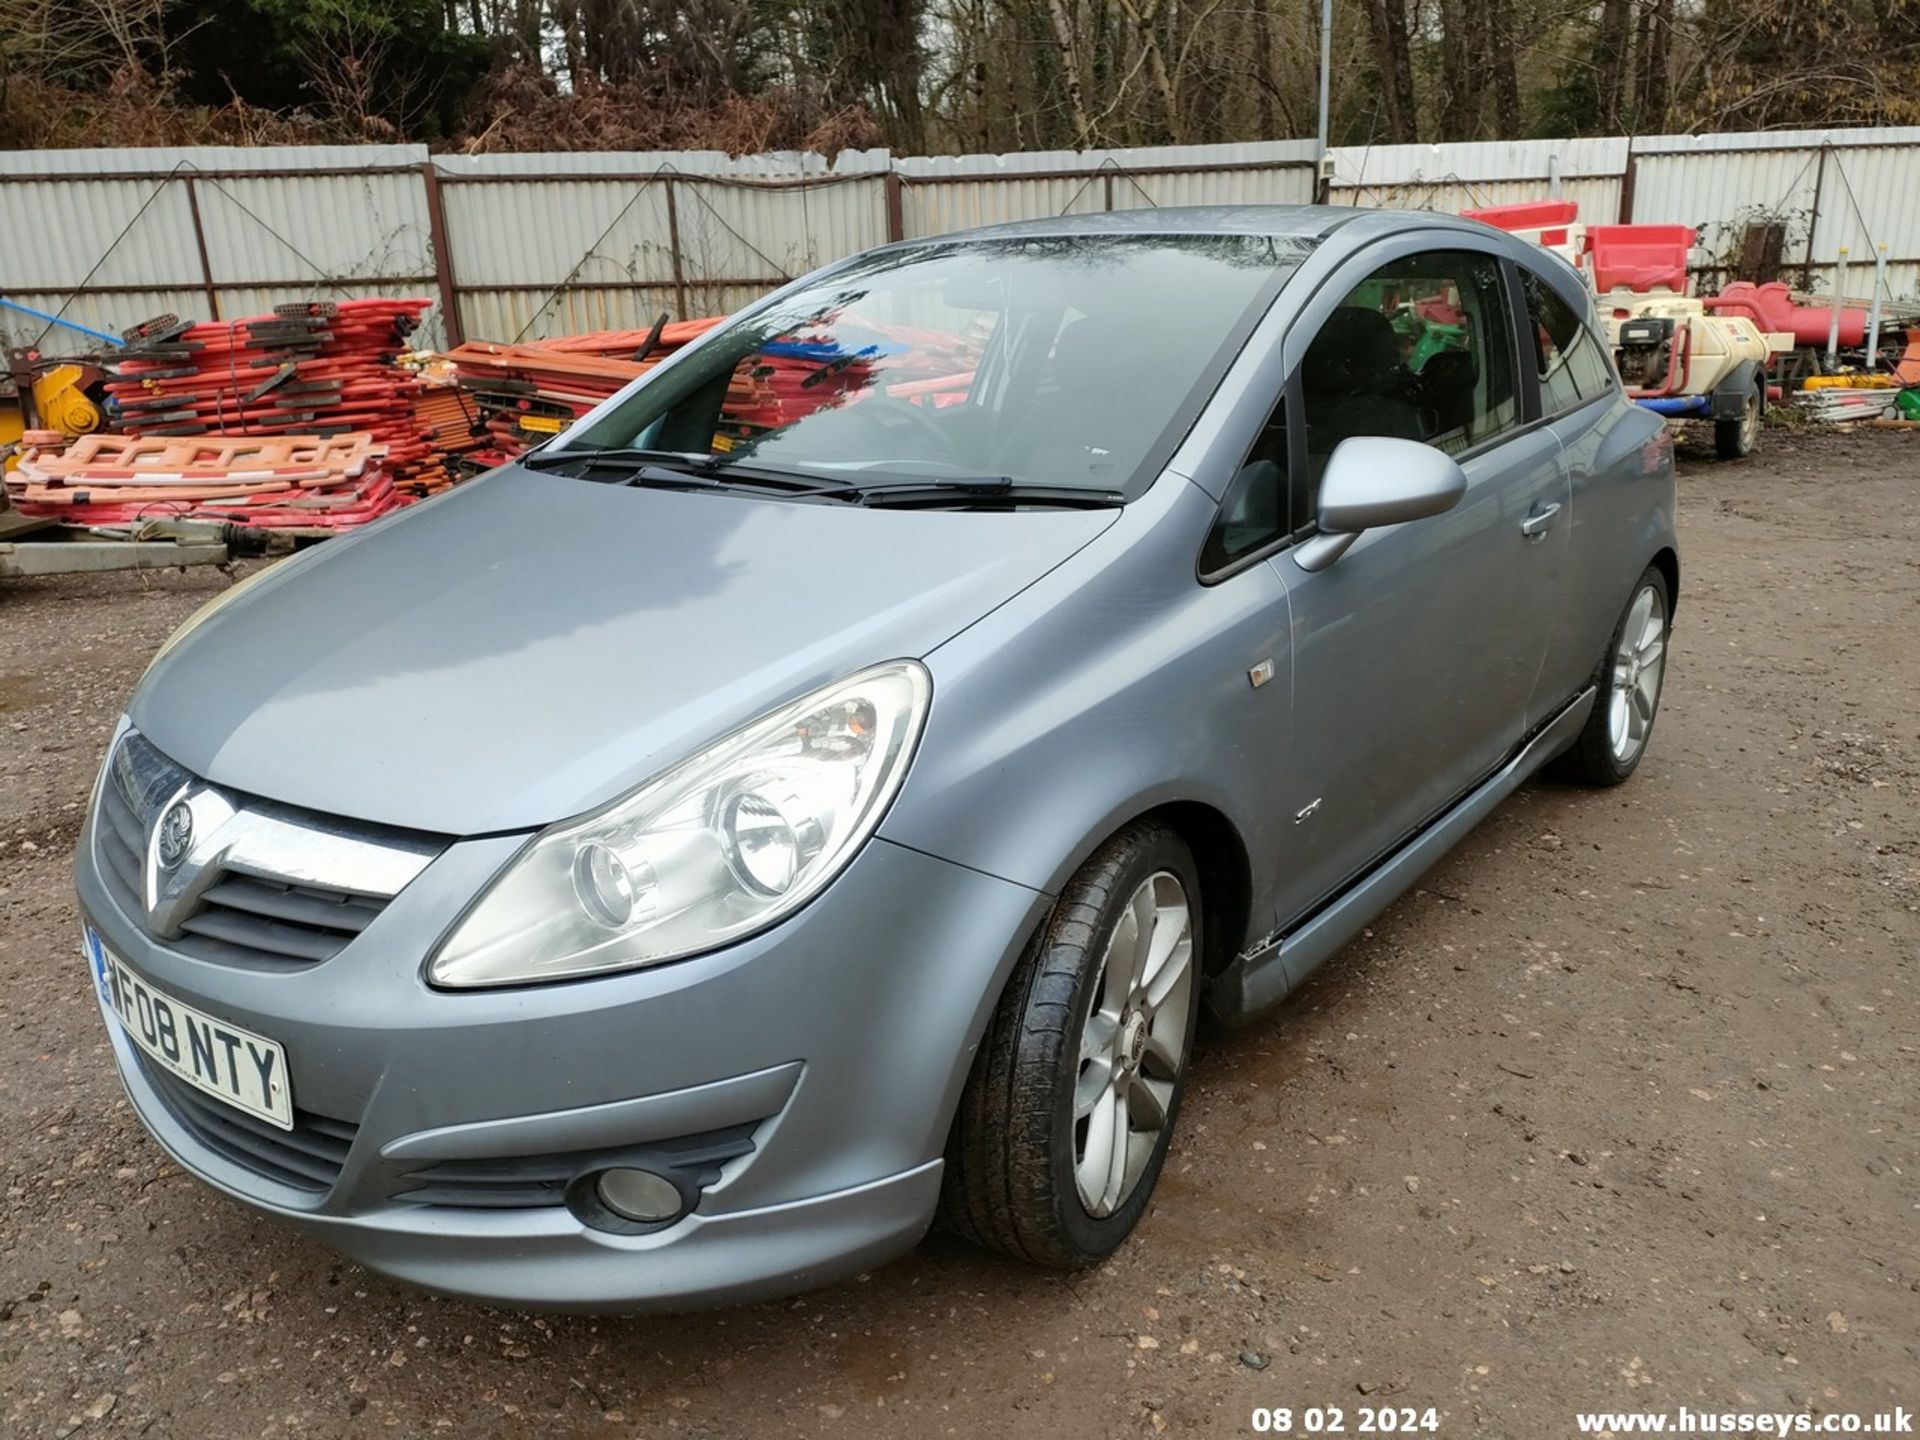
x: 818, y: 794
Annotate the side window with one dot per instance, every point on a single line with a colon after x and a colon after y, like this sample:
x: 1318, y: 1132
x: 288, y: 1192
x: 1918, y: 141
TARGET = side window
x: 1422, y: 349
x: 1591, y: 367
x: 1573, y: 366
x: 1254, y: 512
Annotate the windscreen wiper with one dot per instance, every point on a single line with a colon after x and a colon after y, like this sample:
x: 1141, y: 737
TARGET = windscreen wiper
x: 615, y: 455
x: 680, y: 470
x: 779, y: 484
x: 983, y: 491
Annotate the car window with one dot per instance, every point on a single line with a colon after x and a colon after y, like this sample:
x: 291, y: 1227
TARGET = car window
x: 1591, y: 366
x: 1063, y: 360
x: 1254, y: 512
x: 1573, y: 365
x: 1422, y: 349
x: 786, y: 379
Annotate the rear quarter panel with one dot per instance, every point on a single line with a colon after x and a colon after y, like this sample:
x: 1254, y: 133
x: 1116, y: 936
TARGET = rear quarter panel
x: 1623, y: 515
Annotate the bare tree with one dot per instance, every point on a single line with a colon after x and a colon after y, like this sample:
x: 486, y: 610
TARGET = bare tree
x: 1070, y: 67
x: 1393, y: 59
x: 1650, y: 59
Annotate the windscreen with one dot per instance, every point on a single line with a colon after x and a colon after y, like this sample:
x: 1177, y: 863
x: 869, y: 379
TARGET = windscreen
x: 1064, y: 361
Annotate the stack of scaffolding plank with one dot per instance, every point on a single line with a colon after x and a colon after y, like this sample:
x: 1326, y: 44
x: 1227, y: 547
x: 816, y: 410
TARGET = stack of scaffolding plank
x: 792, y: 377
x: 789, y: 379
x: 644, y: 347
x: 527, y: 392
x: 450, y: 421
x: 312, y: 369
x: 300, y: 483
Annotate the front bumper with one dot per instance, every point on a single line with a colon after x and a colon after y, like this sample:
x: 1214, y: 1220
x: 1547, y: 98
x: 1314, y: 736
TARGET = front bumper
x: 840, y: 1039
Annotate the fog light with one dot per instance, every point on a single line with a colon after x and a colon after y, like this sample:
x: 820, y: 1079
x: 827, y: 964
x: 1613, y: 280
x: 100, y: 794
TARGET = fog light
x: 639, y: 1195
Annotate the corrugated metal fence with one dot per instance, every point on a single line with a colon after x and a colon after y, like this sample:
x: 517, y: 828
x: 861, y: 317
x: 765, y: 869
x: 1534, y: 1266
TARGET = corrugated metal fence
x: 519, y: 246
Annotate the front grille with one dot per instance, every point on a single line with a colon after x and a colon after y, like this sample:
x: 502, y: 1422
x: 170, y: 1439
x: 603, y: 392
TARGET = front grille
x: 308, y: 1157
x: 241, y: 918
x: 532, y: 1181
x: 137, y: 783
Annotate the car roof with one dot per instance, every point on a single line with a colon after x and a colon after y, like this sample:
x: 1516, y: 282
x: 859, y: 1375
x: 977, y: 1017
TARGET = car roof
x: 1311, y: 222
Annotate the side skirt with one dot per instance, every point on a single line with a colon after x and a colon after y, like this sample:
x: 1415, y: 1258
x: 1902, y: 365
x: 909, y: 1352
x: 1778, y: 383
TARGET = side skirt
x: 1261, y: 978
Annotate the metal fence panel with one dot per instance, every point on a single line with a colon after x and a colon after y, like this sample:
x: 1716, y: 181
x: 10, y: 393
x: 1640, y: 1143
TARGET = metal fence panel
x: 108, y: 312
x: 1598, y: 196
x: 1828, y: 188
x: 163, y: 160
x: 536, y: 312
x: 58, y: 234
x: 1266, y: 185
x: 1463, y: 176
x: 958, y: 192
x: 305, y: 230
x: 208, y: 232
x: 1871, y: 196
x: 1720, y: 192
x: 771, y: 233
x: 541, y: 232
x: 942, y: 206
x: 545, y: 245
x: 534, y: 245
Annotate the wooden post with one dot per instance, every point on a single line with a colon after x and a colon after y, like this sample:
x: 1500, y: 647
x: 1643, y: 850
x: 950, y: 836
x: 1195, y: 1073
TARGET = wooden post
x: 896, y: 204
x: 450, y: 321
x: 673, y: 243
x: 1628, y: 178
x: 200, y: 244
x: 20, y: 365
x: 1813, y: 219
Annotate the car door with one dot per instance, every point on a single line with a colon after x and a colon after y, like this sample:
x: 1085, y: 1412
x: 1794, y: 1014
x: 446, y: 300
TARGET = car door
x: 1415, y: 654
x: 1603, y: 438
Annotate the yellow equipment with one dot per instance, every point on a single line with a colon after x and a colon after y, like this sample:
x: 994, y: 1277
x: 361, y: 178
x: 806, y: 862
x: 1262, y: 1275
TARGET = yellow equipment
x: 60, y: 395
x: 1850, y: 382
x: 60, y: 401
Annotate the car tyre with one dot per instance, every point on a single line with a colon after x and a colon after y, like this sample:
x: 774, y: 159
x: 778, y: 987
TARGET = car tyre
x: 1629, y: 681
x: 1086, y: 1049
x: 1735, y: 437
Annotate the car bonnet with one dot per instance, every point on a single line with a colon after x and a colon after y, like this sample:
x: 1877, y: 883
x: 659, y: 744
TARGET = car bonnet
x: 530, y: 646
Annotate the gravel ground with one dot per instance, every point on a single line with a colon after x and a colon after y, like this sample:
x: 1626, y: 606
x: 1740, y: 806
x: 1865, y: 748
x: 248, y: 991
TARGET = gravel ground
x: 1618, y: 1110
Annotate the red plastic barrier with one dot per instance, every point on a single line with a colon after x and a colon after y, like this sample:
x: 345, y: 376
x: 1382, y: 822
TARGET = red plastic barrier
x: 1531, y: 215
x: 1640, y: 257
x: 320, y: 369
x: 1771, y: 307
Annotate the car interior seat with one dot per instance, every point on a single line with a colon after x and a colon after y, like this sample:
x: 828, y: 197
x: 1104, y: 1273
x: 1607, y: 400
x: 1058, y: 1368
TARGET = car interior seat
x: 1354, y: 383
x: 1081, y: 427
x: 1446, y: 387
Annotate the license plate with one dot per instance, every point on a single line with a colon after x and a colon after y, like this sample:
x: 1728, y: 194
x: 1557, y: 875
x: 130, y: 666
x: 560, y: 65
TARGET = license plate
x: 247, y: 1071
x: 541, y: 424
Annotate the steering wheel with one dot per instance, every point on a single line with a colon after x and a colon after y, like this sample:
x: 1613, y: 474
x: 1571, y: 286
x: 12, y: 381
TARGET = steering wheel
x: 884, y: 413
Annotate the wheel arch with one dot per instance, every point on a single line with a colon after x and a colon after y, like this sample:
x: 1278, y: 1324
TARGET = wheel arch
x: 1667, y: 561
x: 1226, y: 875
x: 1729, y: 396
x: 1220, y: 854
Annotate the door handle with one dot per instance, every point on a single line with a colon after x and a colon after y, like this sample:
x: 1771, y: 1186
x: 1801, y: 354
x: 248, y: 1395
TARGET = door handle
x: 1540, y: 521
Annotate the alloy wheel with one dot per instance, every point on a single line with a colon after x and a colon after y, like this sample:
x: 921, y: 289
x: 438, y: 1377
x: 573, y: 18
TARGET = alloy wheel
x: 1639, y: 665
x: 1133, y: 1043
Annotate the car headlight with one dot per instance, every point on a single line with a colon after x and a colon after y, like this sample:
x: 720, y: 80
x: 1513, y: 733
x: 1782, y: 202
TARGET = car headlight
x: 720, y: 846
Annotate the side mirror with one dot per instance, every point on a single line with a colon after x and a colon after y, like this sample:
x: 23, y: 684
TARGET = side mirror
x: 1375, y: 480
